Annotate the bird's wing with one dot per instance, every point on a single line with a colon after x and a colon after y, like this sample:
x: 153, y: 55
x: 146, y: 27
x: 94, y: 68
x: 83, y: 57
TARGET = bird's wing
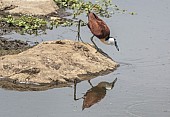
x: 104, y: 29
x: 93, y: 96
x: 99, y: 29
x: 97, y: 26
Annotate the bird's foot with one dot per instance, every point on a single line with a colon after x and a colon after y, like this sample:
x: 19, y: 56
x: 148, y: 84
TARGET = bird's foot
x: 98, y: 50
x: 103, y: 53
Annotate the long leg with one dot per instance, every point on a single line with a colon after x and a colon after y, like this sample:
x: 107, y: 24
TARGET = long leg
x: 90, y: 83
x: 78, y: 32
x: 94, y: 43
x: 99, y: 50
x: 75, y: 84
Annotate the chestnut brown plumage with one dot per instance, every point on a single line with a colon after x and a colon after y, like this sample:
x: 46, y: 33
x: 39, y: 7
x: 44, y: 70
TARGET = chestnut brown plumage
x: 97, y: 26
x: 95, y: 94
x: 100, y: 29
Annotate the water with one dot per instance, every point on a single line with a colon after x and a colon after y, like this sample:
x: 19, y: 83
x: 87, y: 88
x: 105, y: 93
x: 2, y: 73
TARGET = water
x: 142, y: 88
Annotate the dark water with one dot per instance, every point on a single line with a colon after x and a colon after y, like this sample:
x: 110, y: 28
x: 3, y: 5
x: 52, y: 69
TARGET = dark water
x: 143, y: 85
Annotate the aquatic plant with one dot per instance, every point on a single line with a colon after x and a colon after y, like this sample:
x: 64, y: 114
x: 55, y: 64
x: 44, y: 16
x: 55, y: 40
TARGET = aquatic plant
x: 31, y: 24
x: 25, y: 24
x: 104, y: 8
x: 35, y: 25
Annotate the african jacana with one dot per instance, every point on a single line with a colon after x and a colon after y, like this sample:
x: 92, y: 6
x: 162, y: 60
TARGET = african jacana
x: 95, y: 94
x: 100, y: 29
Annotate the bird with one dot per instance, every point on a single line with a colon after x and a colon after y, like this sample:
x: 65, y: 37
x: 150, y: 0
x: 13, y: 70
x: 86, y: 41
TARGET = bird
x: 94, y: 94
x: 97, y: 93
x: 100, y: 29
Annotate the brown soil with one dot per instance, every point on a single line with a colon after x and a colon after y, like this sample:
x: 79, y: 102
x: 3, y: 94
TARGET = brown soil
x: 56, y: 62
x: 9, y: 47
x: 29, y: 7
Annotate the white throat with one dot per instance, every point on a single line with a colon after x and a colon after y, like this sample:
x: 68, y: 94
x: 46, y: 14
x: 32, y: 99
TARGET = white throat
x: 110, y: 41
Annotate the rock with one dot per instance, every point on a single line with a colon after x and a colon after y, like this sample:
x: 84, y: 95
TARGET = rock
x: 29, y: 7
x: 59, y: 61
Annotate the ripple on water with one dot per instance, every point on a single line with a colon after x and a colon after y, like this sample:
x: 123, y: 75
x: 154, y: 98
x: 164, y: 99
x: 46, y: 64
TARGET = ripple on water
x: 149, y: 109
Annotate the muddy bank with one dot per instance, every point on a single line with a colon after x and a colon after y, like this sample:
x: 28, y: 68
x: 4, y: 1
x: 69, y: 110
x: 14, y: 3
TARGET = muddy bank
x: 29, y: 7
x: 10, y: 84
x: 8, y: 47
x: 56, y: 61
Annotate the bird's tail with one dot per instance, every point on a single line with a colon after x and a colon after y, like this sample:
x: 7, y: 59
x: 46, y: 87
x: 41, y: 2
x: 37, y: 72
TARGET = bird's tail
x: 88, y: 13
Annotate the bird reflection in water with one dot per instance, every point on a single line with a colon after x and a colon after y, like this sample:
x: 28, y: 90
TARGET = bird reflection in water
x: 95, y: 94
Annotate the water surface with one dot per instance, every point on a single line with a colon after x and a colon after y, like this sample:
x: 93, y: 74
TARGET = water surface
x: 142, y: 88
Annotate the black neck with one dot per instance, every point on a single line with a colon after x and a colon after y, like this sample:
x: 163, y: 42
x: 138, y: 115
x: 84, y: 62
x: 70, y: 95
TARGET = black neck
x: 107, y: 38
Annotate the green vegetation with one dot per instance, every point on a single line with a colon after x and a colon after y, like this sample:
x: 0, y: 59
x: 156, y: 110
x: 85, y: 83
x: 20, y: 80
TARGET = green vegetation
x: 24, y: 24
x: 34, y: 25
x: 104, y: 8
